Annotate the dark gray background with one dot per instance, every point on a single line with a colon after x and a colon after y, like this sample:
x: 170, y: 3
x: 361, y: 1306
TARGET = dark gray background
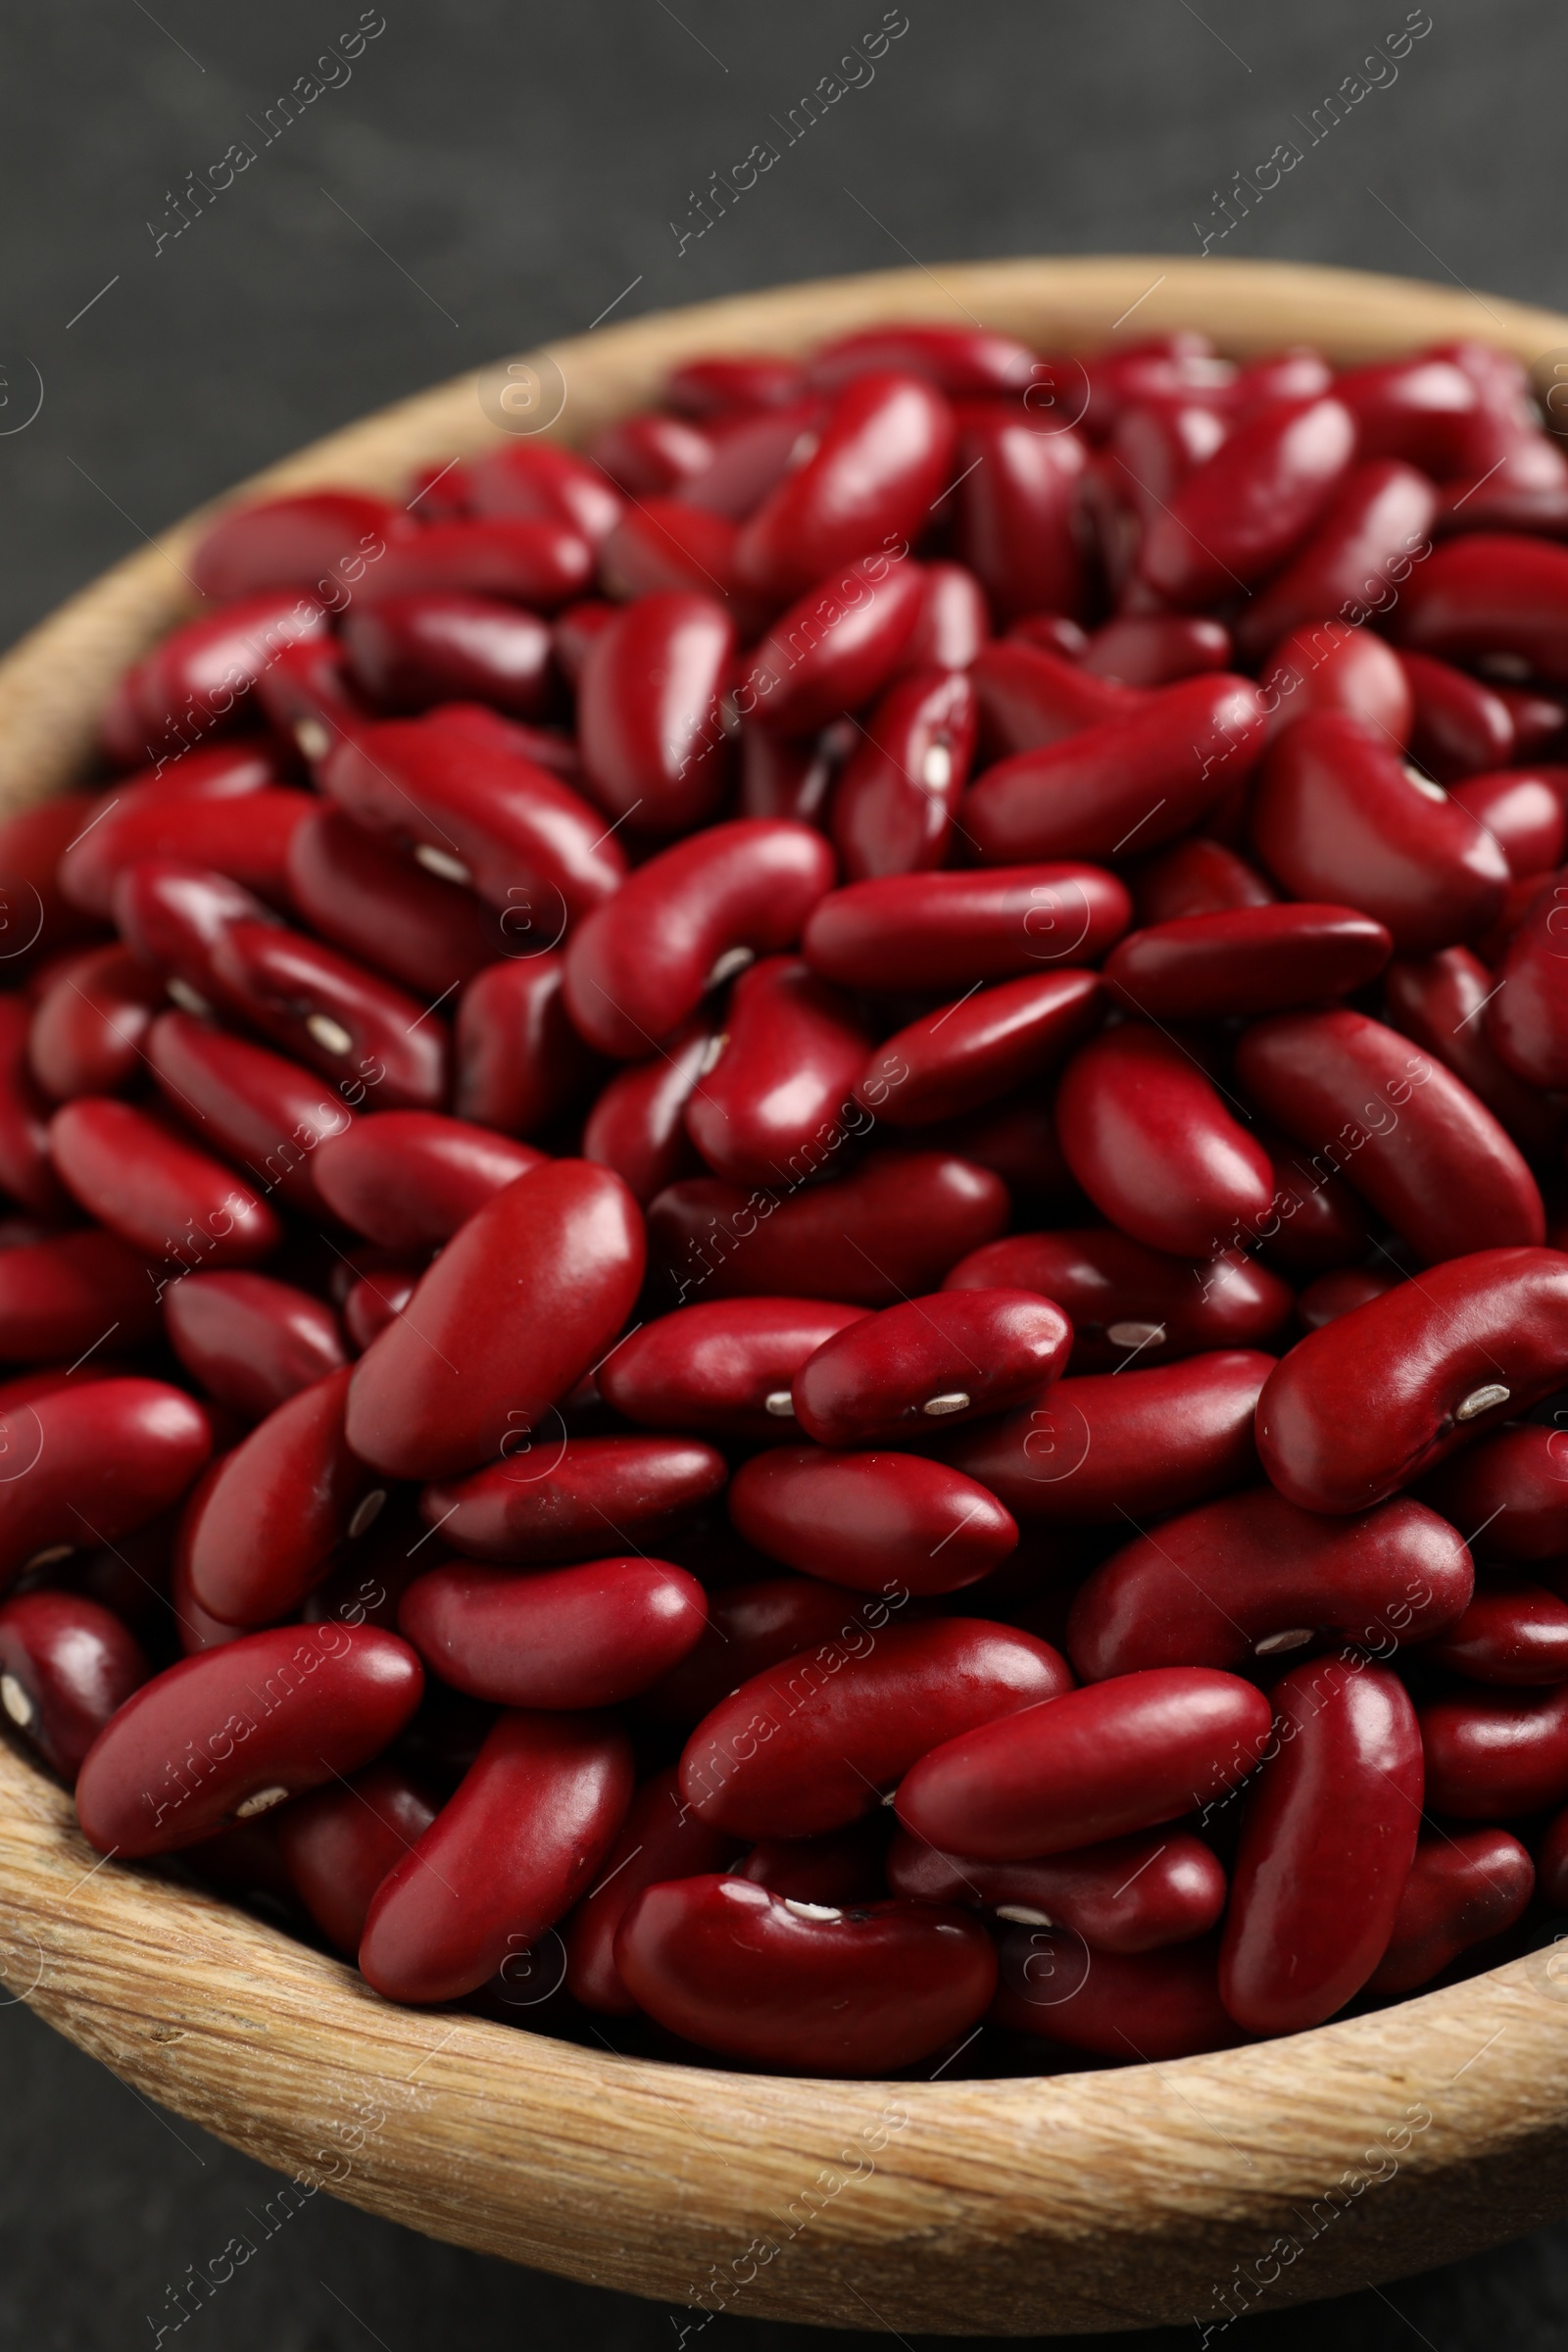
x: 496, y: 172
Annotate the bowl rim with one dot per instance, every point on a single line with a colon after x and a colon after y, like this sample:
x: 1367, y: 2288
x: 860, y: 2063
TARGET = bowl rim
x: 1089, y: 2201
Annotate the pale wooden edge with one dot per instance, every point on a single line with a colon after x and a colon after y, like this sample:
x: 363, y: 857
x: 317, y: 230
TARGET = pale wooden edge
x: 1079, y: 2202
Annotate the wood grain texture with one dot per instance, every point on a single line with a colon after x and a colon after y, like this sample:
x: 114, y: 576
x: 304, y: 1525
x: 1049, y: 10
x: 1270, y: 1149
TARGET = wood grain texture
x: 1201, y: 2189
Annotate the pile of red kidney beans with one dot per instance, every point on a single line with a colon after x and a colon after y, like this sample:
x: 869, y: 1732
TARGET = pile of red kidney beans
x: 780, y: 1269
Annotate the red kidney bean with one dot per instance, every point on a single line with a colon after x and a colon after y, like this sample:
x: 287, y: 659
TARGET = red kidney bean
x: 90, y: 1464
x: 56, y: 1291
x: 1460, y: 1891
x: 691, y: 915
x: 1016, y: 513
x: 1253, y: 1577
x: 524, y: 558
x: 1328, y: 1836
x: 1155, y: 447
x: 1052, y: 633
x: 364, y: 896
x: 1422, y: 410
x: 591, y: 1636
x: 250, y: 1342
x: 1121, y: 1445
x: 1071, y: 1771
x: 1251, y: 504
x: 1493, y: 1752
x: 574, y: 631
x: 332, y: 1013
x: 87, y: 1030
x: 405, y: 653
x: 734, y: 1968
x: 959, y: 1354
x: 1411, y: 1139
x: 304, y: 696
x: 554, y: 1498
x: 752, y: 456
x: 884, y: 456
x: 1157, y: 649
x: 784, y: 1063
x: 1149, y: 2006
x: 757, y: 1625
x: 782, y: 778
x: 637, y: 1124
x: 286, y: 542
x: 724, y: 1367
x: 283, y: 1500
x: 938, y: 931
x: 1183, y: 362
x: 1016, y: 1139
x: 1538, y: 718
x: 36, y: 919
x: 1461, y: 727
x: 1150, y: 1139
x: 893, y: 804
x: 196, y: 680
x: 1245, y: 959
x: 1523, y: 812
x: 806, y: 1745
x: 1374, y: 530
x: 648, y: 711
x: 1328, y: 665
x: 521, y: 1062
x: 645, y: 456
x: 1491, y: 593
x: 1384, y: 1393
x: 133, y: 1172
x: 476, y: 810
x: 527, y: 1832
x: 953, y: 621
x: 834, y: 647
x: 1512, y: 1632
x: 1440, y: 1002
x: 1149, y: 775
x: 245, y: 837
x: 339, y: 1844
x: 1196, y: 876
x: 1513, y: 1483
x: 1131, y: 1894
x: 662, y: 545
x: 962, y: 361
x: 841, y: 1869
x: 1527, y: 1017
x: 1128, y: 1303
x: 890, y: 1228
x: 27, y: 1168
x: 864, y: 1519
x: 67, y: 1664
x: 1334, y: 1293
x: 408, y: 1179
x: 518, y: 1306
x: 728, y: 385
x: 538, y: 478
x: 375, y: 1299
x: 1028, y: 696
x: 171, y: 916
x: 267, y: 1113
x: 1315, y: 1220
x: 980, y: 1046
x: 661, y: 1838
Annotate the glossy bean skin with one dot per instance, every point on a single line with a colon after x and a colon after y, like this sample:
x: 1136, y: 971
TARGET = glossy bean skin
x: 1328, y: 1836
x: 834, y: 648
x: 28, y: 1168
x: 1461, y: 727
x: 1316, y: 1220
x: 1490, y: 592
x: 1110, y: 1445
x: 752, y: 1626
x: 366, y: 897
x: 648, y: 711
x: 1029, y: 696
x: 1334, y: 1293
x: 1128, y: 1303
x: 866, y: 1519
x: 728, y: 386
x: 1252, y: 1576
x: 200, y: 676
x: 1514, y: 1630
x: 785, y: 1062
x: 1370, y: 1401
x: 734, y: 1968
x: 723, y: 1366
x: 55, y: 1293
x: 812, y: 1743
x: 1460, y: 1891
x: 950, y: 930
x: 841, y: 1869
x: 88, y: 1025
x: 1149, y: 2006
x: 1422, y: 410
x: 1522, y: 811
x: 553, y: 1499
x: 1375, y: 527
x: 1016, y: 513
x: 637, y: 970
x: 752, y: 456
x: 884, y: 453
x: 1514, y: 1481
x: 405, y: 653
x: 979, y: 1047
x: 967, y: 1352
x: 225, y: 1736
x: 893, y: 804
x: 264, y: 1111
x: 1495, y: 1753
x: 523, y: 558
x: 134, y: 1174
x: 637, y: 1125
x: 246, y: 838
x: 549, y: 1267
x: 1328, y: 665
x: 408, y: 1179
x: 1336, y: 815
x: 1016, y: 1140
x: 171, y: 916
x: 660, y: 1839
x: 538, y: 477
x: 525, y: 1833
x: 519, y: 1061
x: 332, y: 1013
x: 1413, y: 1141
x: 590, y: 1635
x: 33, y: 842
x: 1250, y: 960
x: 960, y: 361
x: 1196, y: 876
x: 375, y: 1299
x: 67, y: 1665
x: 249, y: 1341
x: 1527, y: 1021
x: 1129, y: 1894
x: 285, y: 541
x: 1254, y: 500
x: 916, y: 1214
x: 1151, y: 1141
x: 1153, y: 773
x: 1441, y: 1002
x: 1118, y: 1756
x: 785, y: 777
x: 664, y: 546
x: 1157, y: 649
x: 955, y: 620
x: 339, y: 1843
x: 651, y: 454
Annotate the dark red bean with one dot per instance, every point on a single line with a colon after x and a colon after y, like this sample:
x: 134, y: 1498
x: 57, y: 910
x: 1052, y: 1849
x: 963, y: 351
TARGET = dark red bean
x: 554, y: 1498
x: 1381, y: 1395
x: 660, y: 1839
x: 521, y: 1062
x: 408, y: 1179
x: 1460, y: 1891
x: 135, y: 1174
x: 1128, y: 1303
x: 28, y: 1171
x: 1491, y: 1752
x: 1328, y: 665
x: 1524, y: 814
x: 953, y: 621
x: 1148, y: 2006
x: 648, y: 455
x: 57, y: 1291
x: 1328, y: 1838
x: 814, y: 1741
x: 937, y: 931
x: 1071, y: 1771
x: 535, y: 562
x: 784, y: 778
x: 1247, y: 959
x: 171, y: 916
x: 1196, y: 876
x: 1316, y: 1220
x: 1512, y: 1483
x: 695, y: 914
x: 1131, y: 1894
x: 834, y: 648
x: 1336, y: 1293
x: 245, y: 837
x: 526, y: 1833
x: 1374, y: 530
x: 197, y: 680
x: 726, y: 1367
x: 250, y: 1342
x: 1461, y: 727
x: 1155, y: 447
x: 1441, y: 1002
x: 1512, y: 1632
x: 868, y: 1519
x: 1157, y: 649
x: 367, y: 896
x: 1253, y: 1577
x: 1017, y: 513
x: 648, y: 711
x: 591, y: 1636
x: 980, y: 1046
x: 1411, y: 1139
x: 537, y: 477
x: 1121, y: 1445
x: 288, y: 542
x: 1490, y: 593
x: 67, y: 1665
x: 724, y: 385
x: 962, y: 361
x: 225, y: 1735
x: 1420, y: 409
x: 339, y: 1844
x: 1527, y: 1018
x: 1016, y: 1139
x: 1251, y: 504
x: 1538, y: 718
x: 37, y: 918
x: 637, y: 1125
x: 1551, y: 1863
x: 1028, y: 696
x: 305, y: 698
x: 375, y: 1299
x: 784, y: 1063
x: 267, y: 1113
x: 894, y: 804
x: 752, y: 456
x: 520, y: 1302
x: 89, y: 1024
x: 668, y: 544
x: 956, y: 1355
x: 841, y: 1869
x: 332, y: 1013
x: 405, y: 653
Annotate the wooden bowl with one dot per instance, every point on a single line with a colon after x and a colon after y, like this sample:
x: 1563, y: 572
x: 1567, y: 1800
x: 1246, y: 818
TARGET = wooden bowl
x: 1201, y: 2189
